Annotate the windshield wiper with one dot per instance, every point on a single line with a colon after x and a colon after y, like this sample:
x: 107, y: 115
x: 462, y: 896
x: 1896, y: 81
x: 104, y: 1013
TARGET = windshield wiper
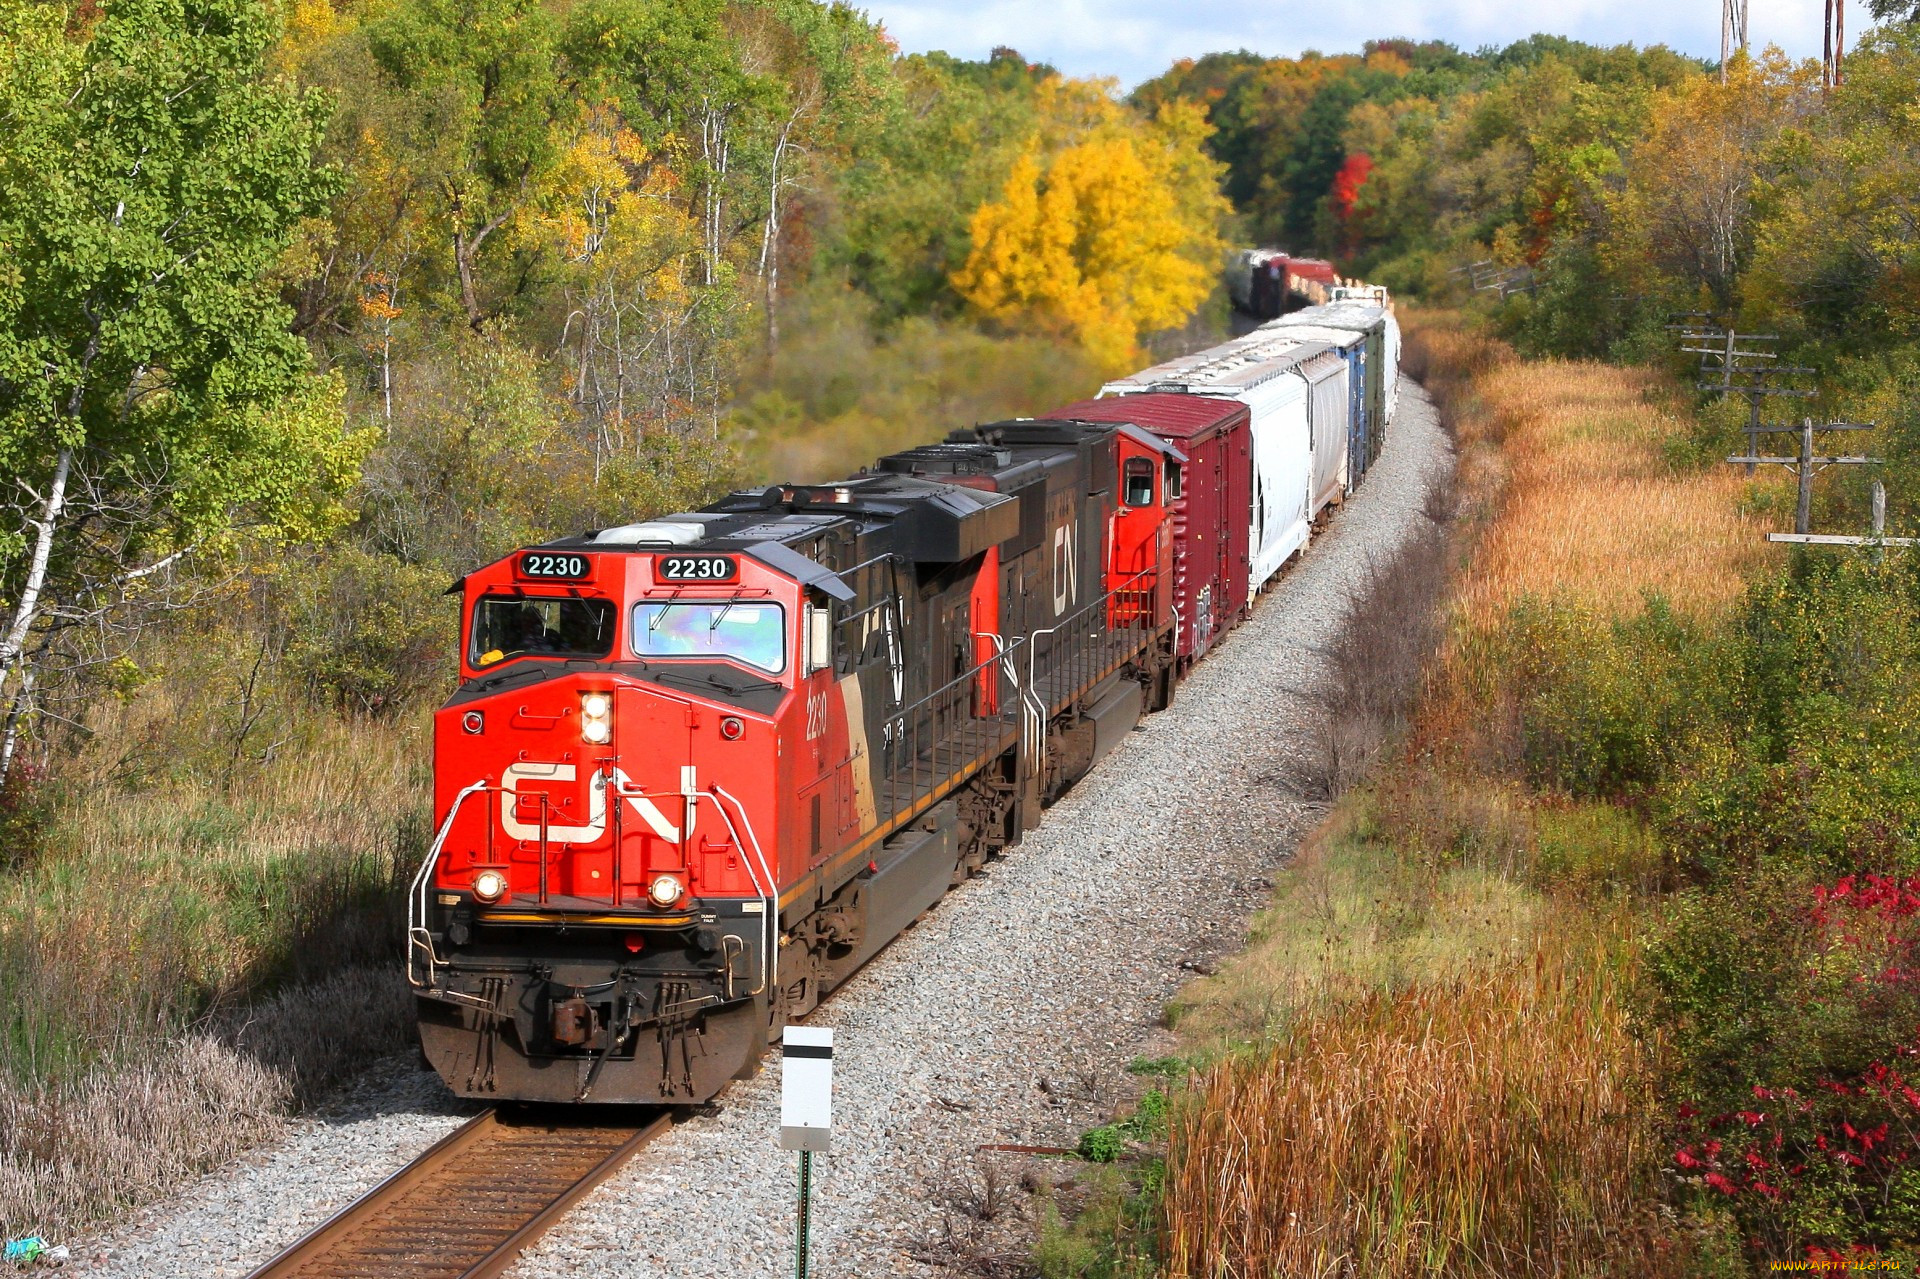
x: 489, y: 682
x: 712, y: 679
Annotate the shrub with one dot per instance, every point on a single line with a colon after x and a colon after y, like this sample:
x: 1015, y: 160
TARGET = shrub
x: 1604, y: 704
x: 1797, y: 1030
x: 371, y: 634
x: 26, y: 806
x: 1814, y: 760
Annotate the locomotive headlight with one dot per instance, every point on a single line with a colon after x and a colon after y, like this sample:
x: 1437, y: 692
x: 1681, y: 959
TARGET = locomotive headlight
x: 490, y: 885
x: 665, y: 890
x: 596, y: 718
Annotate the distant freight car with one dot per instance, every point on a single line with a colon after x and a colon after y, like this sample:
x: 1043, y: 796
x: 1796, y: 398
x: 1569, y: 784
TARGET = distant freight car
x: 1265, y: 283
x: 1375, y: 325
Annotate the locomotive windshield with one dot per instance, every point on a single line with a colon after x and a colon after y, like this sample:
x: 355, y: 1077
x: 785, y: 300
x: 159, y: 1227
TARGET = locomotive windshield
x: 754, y: 633
x: 540, y: 626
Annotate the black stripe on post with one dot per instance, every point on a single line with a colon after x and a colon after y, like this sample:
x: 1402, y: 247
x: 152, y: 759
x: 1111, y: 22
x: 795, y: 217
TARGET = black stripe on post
x: 805, y: 1050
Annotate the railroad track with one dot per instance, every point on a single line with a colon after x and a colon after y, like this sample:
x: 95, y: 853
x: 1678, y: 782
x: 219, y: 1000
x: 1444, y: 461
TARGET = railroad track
x: 468, y: 1206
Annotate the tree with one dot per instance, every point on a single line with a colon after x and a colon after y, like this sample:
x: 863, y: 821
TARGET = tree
x: 153, y: 401
x: 1113, y: 236
x: 486, y: 91
x: 1837, y: 242
x: 1689, y: 200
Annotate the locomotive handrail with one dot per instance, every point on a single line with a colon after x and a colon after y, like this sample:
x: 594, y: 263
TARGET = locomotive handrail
x: 770, y: 963
x: 945, y: 716
x: 419, y: 937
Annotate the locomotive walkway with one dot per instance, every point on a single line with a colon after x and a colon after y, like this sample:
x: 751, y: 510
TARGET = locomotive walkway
x: 1006, y: 1017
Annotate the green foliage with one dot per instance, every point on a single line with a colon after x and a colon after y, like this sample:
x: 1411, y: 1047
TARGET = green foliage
x: 1766, y: 763
x: 1787, y: 738
x: 1815, y: 760
x: 156, y: 403
x: 152, y: 177
x: 1102, y: 1145
x: 1148, y: 1122
x: 1110, y: 1232
x: 1604, y: 705
x: 369, y: 633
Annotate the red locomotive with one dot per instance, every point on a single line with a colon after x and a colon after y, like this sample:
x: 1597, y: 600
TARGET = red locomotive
x: 700, y: 769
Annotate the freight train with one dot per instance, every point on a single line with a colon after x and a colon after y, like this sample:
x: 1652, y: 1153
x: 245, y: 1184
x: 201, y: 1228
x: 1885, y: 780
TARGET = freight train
x: 1265, y: 283
x: 699, y: 769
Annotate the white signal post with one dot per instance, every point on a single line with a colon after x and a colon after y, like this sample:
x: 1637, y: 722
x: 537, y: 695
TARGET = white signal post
x: 806, y: 1112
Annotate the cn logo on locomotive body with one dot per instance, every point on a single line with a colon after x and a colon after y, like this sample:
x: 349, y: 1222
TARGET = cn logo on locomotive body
x: 1066, y: 570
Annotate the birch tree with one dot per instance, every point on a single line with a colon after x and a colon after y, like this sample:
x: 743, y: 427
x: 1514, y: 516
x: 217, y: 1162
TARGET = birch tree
x: 153, y: 402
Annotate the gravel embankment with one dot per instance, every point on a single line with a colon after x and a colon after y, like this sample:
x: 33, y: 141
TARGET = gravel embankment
x: 1006, y: 1016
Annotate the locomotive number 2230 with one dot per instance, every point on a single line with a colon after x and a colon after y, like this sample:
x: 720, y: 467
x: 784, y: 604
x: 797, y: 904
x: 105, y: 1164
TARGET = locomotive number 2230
x: 567, y: 567
x: 697, y: 568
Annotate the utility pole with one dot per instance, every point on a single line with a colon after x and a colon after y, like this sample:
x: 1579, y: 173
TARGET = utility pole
x: 1835, y: 47
x: 1732, y: 363
x: 1806, y: 464
x: 1733, y: 32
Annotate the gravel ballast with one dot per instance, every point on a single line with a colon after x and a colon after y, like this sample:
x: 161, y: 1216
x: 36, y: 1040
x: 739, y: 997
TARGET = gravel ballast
x: 1006, y: 1016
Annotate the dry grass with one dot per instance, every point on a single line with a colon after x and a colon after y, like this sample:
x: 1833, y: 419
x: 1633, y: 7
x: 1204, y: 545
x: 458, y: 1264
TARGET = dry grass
x: 184, y: 960
x: 1590, y: 508
x: 1484, y: 1125
x: 1349, y: 918
x: 128, y: 1132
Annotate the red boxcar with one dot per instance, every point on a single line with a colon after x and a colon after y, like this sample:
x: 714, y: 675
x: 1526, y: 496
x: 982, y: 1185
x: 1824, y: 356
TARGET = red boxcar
x: 1210, y: 515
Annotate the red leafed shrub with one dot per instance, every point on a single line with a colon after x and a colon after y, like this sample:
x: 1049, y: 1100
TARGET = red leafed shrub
x: 1345, y: 197
x: 1823, y: 1146
x: 1353, y: 175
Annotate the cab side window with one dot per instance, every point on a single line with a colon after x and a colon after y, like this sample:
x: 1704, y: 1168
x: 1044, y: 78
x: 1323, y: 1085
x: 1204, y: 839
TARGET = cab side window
x: 1139, y: 482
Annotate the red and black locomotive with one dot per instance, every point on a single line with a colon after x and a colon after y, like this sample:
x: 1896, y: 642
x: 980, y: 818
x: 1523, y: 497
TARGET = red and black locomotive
x: 700, y: 769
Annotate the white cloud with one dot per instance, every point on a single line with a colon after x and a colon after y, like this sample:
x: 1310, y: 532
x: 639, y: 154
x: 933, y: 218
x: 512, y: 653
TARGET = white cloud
x: 1136, y: 39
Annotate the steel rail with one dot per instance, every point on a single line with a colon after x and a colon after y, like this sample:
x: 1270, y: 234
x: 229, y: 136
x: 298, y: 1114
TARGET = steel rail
x: 469, y: 1204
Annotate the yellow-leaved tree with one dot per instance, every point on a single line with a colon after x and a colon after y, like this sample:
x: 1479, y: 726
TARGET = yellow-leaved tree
x: 1108, y: 227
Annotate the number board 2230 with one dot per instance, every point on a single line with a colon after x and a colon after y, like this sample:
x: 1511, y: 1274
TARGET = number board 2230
x: 567, y: 568
x: 696, y: 568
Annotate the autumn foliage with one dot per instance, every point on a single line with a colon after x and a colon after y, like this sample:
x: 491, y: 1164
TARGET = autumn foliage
x: 1106, y: 231
x: 1831, y: 1153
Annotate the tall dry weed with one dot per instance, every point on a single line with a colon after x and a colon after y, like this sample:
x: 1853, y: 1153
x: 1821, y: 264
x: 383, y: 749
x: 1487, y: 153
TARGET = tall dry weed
x: 1484, y: 1125
x: 1572, y: 466
x: 127, y: 1131
x: 196, y: 951
x: 1570, y: 490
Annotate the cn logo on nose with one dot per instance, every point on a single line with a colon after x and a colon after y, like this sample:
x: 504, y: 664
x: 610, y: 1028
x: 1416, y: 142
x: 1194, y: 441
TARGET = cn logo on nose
x: 596, y: 825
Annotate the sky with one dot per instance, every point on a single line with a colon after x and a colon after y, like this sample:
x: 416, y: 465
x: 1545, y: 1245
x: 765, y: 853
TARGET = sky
x: 1135, y: 40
